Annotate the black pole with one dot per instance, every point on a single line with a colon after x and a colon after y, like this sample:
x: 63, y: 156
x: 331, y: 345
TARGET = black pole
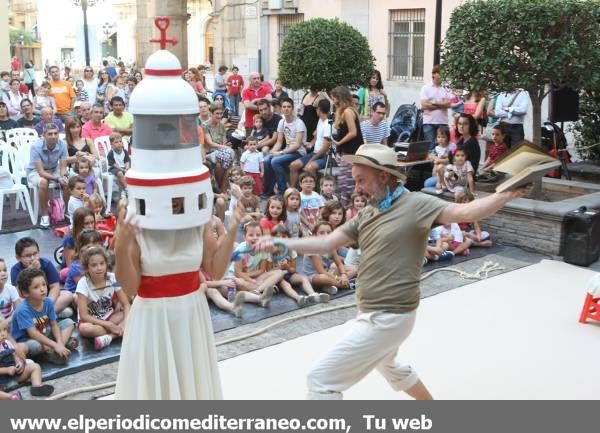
x: 438, y: 32
x: 85, y: 33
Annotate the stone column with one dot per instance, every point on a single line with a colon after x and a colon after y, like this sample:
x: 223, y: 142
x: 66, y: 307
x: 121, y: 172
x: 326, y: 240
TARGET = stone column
x: 176, y: 11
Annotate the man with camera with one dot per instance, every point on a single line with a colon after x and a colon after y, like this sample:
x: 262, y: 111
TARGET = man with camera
x: 376, y: 129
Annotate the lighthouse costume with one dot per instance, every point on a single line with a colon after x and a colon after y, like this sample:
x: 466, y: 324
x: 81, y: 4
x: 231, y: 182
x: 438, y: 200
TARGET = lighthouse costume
x: 168, y: 349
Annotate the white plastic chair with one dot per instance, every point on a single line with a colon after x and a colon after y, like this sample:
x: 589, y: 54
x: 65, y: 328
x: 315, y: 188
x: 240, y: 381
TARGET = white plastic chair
x: 102, y: 145
x: 22, y: 139
x: 9, y: 163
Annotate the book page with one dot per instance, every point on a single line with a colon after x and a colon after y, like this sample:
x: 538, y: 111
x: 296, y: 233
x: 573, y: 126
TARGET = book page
x: 521, y: 161
x: 527, y: 176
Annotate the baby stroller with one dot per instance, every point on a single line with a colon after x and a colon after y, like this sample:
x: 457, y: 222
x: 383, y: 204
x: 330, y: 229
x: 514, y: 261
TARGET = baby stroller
x: 406, y: 125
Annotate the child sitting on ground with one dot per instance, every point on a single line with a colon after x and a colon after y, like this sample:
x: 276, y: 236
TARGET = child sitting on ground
x: 333, y: 212
x: 275, y: 214
x: 359, y: 201
x: 249, y: 200
x: 253, y: 164
x: 86, y: 239
x: 35, y: 322
x: 97, y: 205
x: 326, y: 272
x: 118, y: 161
x: 327, y: 187
x: 452, y: 235
x: 77, y: 195
x: 253, y: 267
x: 218, y: 291
x: 27, y: 252
x: 291, y: 201
x: 310, y: 201
x: 97, y: 293
x: 83, y: 218
x: 293, y: 278
x: 472, y: 231
x: 9, y: 297
x: 14, y: 364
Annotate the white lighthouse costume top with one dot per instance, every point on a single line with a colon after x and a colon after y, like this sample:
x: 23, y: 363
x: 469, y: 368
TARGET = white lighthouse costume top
x: 168, y: 349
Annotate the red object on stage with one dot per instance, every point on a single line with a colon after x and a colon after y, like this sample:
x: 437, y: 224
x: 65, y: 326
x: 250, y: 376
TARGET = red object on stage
x: 591, y: 309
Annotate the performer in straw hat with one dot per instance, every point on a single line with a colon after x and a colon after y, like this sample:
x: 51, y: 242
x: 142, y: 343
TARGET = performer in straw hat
x: 391, y: 233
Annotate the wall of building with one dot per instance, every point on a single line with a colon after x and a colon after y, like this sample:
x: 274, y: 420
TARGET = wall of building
x: 4, y: 39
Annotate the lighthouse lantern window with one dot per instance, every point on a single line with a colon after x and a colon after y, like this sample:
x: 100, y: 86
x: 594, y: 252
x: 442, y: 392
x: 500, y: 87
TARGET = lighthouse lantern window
x: 202, y: 201
x: 165, y: 132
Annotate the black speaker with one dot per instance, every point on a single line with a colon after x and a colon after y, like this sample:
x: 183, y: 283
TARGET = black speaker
x: 564, y: 105
x: 581, y: 237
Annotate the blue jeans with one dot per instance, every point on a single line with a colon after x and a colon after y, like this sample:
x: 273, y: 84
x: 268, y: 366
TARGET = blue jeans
x: 430, y: 182
x: 234, y: 101
x: 280, y: 166
x: 429, y: 130
x: 269, y: 177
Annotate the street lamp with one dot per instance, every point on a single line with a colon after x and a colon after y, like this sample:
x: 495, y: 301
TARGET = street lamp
x: 84, y: 6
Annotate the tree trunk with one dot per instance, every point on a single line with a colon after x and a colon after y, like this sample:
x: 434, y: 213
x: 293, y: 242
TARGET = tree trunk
x: 536, y: 95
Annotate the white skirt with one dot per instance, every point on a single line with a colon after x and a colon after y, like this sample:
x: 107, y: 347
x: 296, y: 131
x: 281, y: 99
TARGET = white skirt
x: 168, y: 351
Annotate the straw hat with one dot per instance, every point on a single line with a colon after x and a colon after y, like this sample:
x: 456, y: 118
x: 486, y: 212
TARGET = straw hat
x: 377, y: 156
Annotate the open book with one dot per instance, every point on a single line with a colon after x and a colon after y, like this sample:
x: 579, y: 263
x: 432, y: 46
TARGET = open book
x: 525, y: 163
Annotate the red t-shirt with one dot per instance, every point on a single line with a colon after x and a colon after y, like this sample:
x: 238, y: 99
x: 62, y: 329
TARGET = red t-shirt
x: 235, y: 83
x: 248, y: 95
x: 268, y: 224
x: 495, y: 151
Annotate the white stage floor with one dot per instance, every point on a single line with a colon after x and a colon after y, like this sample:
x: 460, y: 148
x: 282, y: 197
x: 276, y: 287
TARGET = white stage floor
x: 514, y: 336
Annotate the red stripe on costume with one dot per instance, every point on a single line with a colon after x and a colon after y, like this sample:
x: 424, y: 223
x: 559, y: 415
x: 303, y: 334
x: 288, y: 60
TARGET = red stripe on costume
x: 164, y: 182
x: 169, y: 286
x: 163, y: 72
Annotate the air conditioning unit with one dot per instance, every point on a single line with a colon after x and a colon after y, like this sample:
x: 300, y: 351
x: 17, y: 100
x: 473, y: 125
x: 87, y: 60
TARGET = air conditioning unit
x: 279, y: 7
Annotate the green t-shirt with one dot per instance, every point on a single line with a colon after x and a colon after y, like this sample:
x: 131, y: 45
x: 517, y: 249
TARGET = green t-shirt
x: 393, y: 245
x: 123, y: 122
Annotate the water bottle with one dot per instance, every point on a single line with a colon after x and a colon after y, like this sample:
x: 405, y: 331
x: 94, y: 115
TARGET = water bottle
x: 230, y: 293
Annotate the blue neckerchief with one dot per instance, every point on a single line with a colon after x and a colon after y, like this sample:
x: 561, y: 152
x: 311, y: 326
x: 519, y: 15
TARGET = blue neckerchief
x: 386, y: 203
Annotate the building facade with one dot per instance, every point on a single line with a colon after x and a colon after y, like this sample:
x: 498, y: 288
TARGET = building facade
x: 23, y: 25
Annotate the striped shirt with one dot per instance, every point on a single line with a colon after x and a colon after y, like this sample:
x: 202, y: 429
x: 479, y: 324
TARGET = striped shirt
x: 374, y: 133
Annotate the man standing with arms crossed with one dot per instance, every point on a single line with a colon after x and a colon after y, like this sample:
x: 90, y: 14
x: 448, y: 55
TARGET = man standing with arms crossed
x: 391, y: 234
x: 435, y: 101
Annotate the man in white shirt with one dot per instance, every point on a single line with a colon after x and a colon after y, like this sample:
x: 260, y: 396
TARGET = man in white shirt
x: 511, y: 109
x: 376, y: 129
x: 291, y: 134
x: 435, y: 101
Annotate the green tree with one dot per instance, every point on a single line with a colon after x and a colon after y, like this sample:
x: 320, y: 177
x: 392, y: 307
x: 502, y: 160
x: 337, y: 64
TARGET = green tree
x: 16, y: 35
x: 587, y: 129
x: 503, y: 45
x: 324, y: 53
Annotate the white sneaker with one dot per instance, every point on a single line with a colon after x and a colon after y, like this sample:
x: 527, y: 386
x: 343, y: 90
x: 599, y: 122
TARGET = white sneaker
x: 439, y: 191
x: 45, y: 222
x: 238, y: 304
x: 302, y: 300
x: 330, y: 290
x: 66, y: 313
x: 265, y: 297
x: 102, y: 341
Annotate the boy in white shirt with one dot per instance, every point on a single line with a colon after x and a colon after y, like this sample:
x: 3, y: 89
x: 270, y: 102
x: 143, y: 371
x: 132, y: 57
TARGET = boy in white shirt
x: 118, y: 161
x: 253, y: 164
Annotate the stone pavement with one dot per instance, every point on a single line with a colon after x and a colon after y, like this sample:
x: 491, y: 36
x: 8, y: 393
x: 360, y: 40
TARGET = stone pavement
x: 510, y: 257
